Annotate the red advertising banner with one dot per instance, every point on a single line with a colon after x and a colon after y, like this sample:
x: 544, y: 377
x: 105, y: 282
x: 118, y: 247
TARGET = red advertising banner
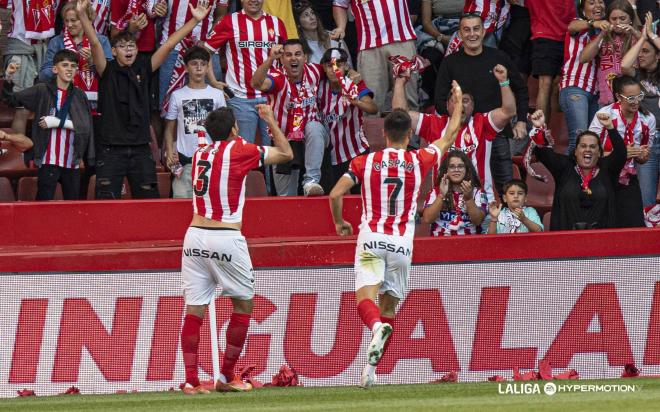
x: 104, y: 332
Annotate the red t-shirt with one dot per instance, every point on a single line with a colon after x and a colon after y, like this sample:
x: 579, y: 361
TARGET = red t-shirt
x: 550, y: 19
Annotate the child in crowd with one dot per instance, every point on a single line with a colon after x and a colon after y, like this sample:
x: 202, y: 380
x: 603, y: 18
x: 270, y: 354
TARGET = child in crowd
x: 513, y: 216
x: 189, y: 107
x: 63, y: 133
x: 457, y: 204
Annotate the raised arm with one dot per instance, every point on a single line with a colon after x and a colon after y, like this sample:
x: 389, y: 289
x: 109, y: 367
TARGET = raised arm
x: 98, y: 55
x: 399, y: 100
x: 554, y: 162
x: 19, y: 141
x: 341, y: 18
x: 198, y: 14
x: 281, y: 151
x: 260, y: 79
x: 454, y: 124
x: 592, y: 48
x: 503, y: 115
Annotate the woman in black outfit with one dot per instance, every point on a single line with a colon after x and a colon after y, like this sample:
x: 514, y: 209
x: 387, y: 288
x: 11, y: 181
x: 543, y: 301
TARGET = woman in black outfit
x: 584, y: 182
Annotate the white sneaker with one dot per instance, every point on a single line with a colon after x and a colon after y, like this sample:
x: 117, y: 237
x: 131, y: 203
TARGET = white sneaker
x: 375, y: 349
x: 312, y: 189
x: 368, y: 376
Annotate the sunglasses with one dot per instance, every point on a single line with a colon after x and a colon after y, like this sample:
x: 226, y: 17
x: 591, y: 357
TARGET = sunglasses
x: 633, y: 99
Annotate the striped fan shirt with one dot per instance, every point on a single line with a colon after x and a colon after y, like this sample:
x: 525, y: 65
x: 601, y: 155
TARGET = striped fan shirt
x: 178, y: 13
x: 574, y: 73
x: 60, y: 146
x: 247, y: 42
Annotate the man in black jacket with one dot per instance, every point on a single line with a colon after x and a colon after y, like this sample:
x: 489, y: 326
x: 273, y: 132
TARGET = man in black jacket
x: 472, y: 68
x: 63, y: 133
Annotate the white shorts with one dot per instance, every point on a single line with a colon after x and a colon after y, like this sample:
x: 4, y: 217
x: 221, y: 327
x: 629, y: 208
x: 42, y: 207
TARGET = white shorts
x: 211, y: 257
x: 385, y: 260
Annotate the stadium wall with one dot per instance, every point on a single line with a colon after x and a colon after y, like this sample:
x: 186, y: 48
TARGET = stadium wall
x: 478, y: 306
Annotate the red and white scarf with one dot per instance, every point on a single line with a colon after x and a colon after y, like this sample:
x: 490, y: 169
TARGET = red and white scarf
x: 134, y: 9
x: 404, y: 67
x: 349, y: 89
x: 178, y: 73
x: 628, y: 139
x: 537, y: 137
x: 585, y: 178
x: 86, y: 78
x: 39, y: 18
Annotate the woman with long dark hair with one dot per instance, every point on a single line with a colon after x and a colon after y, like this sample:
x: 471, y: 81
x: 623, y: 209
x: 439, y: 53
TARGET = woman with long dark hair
x: 315, y: 39
x: 584, y: 181
x: 457, y: 205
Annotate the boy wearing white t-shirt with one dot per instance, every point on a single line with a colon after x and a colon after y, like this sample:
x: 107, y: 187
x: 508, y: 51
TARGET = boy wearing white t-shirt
x: 188, y: 108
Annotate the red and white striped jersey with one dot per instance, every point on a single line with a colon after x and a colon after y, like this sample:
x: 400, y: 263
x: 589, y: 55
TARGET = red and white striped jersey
x: 102, y: 8
x: 380, y: 22
x: 178, y: 13
x: 344, y: 121
x: 247, y: 42
x: 457, y: 221
x: 284, y: 93
x: 494, y: 13
x: 219, y: 171
x: 574, y: 73
x: 391, y: 181
x: 640, y: 130
x: 60, y: 146
x: 31, y: 20
x: 474, y: 139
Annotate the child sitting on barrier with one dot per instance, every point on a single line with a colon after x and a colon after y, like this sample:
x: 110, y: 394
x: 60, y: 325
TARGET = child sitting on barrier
x: 513, y: 216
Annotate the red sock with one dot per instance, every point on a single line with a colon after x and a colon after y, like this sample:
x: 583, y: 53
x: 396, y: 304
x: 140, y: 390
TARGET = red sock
x: 385, y: 319
x: 369, y: 312
x: 189, y: 345
x: 236, y: 335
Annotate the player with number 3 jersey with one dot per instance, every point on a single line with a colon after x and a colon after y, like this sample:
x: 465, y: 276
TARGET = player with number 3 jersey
x: 214, y: 250
x: 391, y: 180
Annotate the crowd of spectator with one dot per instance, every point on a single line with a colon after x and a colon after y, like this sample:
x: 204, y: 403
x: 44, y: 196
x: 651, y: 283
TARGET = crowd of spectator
x: 106, y: 80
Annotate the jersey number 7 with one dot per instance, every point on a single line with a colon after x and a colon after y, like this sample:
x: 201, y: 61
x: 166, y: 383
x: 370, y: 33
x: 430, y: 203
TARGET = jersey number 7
x: 392, y: 198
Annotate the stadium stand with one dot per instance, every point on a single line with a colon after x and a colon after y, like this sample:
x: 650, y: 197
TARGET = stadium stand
x: 6, y: 190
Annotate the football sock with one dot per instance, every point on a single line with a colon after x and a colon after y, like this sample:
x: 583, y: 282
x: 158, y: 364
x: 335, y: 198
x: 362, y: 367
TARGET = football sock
x: 236, y: 335
x: 369, y: 313
x: 189, y: 346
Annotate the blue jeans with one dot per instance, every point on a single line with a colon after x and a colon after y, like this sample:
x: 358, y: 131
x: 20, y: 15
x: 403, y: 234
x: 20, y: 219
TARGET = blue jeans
x: 579, y: 109
x: 167, y: 70
x: 648, y: 175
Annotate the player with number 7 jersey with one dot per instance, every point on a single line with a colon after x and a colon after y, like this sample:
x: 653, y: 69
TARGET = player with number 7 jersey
x: 391, y: 181
x: 214, y: 250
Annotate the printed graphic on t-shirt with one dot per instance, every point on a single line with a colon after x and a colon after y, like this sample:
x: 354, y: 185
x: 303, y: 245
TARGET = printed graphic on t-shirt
x: 195, y: 111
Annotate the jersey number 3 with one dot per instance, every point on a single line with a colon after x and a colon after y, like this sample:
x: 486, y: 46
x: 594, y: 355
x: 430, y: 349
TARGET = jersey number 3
x: 391, y: 200
x: 201, y: 185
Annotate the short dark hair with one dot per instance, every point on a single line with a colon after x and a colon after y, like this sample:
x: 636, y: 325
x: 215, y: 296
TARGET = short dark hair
x: 622, y: 81
x: 219, y: 123
x: 515, y: 182
x: 470, y: 15
x: 327, y: 56
x: 397, y: 125
x: 294, y: 42
x: 65, y: 54
x: 196, y: 53
x: 124, y: 35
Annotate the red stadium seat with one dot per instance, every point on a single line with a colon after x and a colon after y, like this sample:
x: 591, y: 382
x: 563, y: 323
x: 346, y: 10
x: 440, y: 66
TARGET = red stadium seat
x: 516, y: 171
x: 6, y: 191
x: 6, y: 115
x: 164, y: 184
x: 11, y: 163
x: 540, y: 194
x: 546, y: 222
x: 255, y: 185
x: 373, y: 130
x: 27, y: 189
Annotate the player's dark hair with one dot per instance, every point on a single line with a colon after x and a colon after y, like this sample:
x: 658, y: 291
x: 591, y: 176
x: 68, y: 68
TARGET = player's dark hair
x: 470, y: 15
x: 196, y: 53
x: 515, y: 182
x: 294, y: 42
x: 397, y: 125
x: 219, y: 123
x: 65, y: 55
x: 122, y: 36
x: 470, y: 175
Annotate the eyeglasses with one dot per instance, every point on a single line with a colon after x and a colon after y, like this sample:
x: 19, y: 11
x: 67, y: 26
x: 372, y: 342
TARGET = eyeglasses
x: 633, y: 99
x: 456, y: 167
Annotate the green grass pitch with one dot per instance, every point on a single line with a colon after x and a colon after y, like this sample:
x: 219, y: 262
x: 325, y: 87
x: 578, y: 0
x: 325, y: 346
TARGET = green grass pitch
x: 436, y: 397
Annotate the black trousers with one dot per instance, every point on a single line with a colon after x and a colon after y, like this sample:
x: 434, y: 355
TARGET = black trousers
x: 629, y: 206
x: 47, y: 178
x: 113, y: 163
x: 501, y: 165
